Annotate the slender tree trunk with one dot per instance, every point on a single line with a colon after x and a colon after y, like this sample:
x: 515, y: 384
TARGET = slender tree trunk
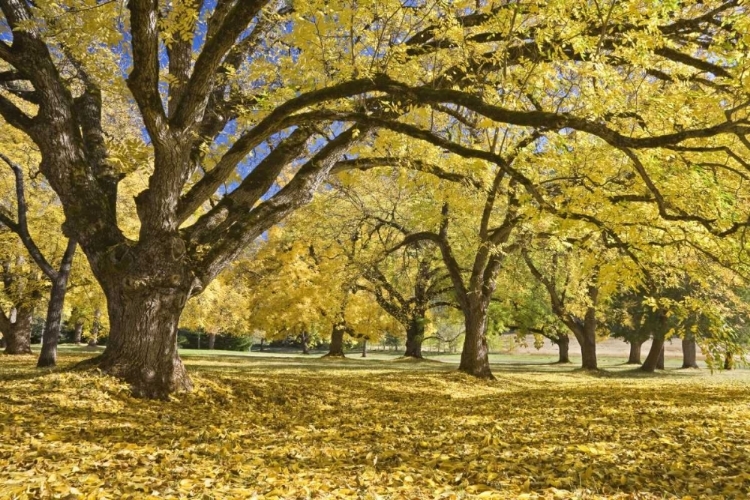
x: 261, y: 344
x: 689, y: 353
x: 336, y: 348
x: 364, y: 348
x: 657, y: 351
x: 95, y: 326
x: 563, y: 346
x: 475, y: 354
x: 18, y: 338
x: 414, y: 337
x: 211, y: 340
x: 305, y: 349
x: 78, y: 332
x: 51, y: 334
x: 634, y: 358
x: 142, y: 346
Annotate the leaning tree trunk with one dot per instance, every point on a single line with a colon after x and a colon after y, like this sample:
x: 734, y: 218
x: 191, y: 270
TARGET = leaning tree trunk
x: 634, y: 358
x: 51, y: 334
x: 211, y: 340
x: 336, y: 348
x: 563, y: 346
x: 78, y: 333
x: 475, y: 358
x: 689, y: 353
x: 414, y: 337
x: 18, y: 338
x: 142, y: 346
x: 654, y: 354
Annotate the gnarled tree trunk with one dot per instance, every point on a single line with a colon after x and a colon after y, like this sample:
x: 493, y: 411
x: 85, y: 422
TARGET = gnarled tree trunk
x: 142, y: 346
x: 18, y: 335
x: 563, y: 346
x: 336, y: 348
x: 414, y: 337
x: 475, y: 358
x: 634, y: 358
x: 689, y: 353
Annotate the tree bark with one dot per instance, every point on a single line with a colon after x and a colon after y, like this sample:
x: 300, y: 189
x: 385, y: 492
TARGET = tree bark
x: 563, y: 346
x: 634, y: 358
x: 262, y: 341
x: 475, y: 354
x: 305, y: 349
x: 51, y: 334
x: 336, y: 348
x: 95, y: 327
x: 728, y: 361
x: 142, y: 346
x: 78, y: 332
x: 18, y: 338
x: 588, y: 350
x: 689, y: 353
x: 654, y: 354
x: 414, y: 337
x: 364, y: 348
x: 211, y: 340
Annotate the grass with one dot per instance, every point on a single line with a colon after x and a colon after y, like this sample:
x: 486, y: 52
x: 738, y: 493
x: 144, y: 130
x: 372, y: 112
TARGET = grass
x: 293, y: 426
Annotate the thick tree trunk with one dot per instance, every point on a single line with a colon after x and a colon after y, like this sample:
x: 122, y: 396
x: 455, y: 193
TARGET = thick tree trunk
x: 142, y: 346
x: 728, y: 361
x: 95, y: 326
x: 18, y: 338
x: 563, y: 346
x: 78, y: 332
x: 634, y: 358
x: 414, y: 337
x: 586, y: 337
x: 660, y: 361
x: 657, y: 351
x: 336, y: 348
x: 475, y: 354
x: 211, y: 340
x: 689, y: 353
x: 51, y: 334
x: 305, y: 349
x: 364, y: 348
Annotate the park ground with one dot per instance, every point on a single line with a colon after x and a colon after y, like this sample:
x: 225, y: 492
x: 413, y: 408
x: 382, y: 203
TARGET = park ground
x: 278, y: 425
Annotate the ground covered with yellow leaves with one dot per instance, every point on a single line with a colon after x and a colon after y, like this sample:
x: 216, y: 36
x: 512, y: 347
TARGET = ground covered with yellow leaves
x: 311, y: 428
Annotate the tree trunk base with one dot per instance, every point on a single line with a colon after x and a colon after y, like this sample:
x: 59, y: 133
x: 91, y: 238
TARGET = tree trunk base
x: 142, y: 381
x: 413, y: 354
x: 46, y: 360
x: 483, y: 373
x: 333, y: 355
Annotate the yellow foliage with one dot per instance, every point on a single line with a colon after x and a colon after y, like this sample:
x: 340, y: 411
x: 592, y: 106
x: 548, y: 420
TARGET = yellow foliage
x: 272, y: 428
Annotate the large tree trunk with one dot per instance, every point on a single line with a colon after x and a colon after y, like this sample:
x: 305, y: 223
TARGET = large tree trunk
x: 634, y: 358
x: 657, y: 351
x: 211, y: 340
x: 563, y: 346
x: 95, y: 326
x: 475, y: 358
x: 142, y: 346
x: 689, y: 353
x: 660, y: 361
x: 728, y: 361
x: 78, y: 332
x: 414, y: 337
x: 18, y: 337
x: 51, y: 334
x: 336, y: 348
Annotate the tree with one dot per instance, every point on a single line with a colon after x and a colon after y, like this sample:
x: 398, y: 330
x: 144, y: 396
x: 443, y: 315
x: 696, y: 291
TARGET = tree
x: 254, y: 84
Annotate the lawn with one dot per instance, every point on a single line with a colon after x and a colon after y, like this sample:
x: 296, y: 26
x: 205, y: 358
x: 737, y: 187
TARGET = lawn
x: 264, y: 426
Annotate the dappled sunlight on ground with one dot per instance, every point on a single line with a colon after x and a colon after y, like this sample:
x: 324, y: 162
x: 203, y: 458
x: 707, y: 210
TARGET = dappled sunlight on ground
x: 311, y: 428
